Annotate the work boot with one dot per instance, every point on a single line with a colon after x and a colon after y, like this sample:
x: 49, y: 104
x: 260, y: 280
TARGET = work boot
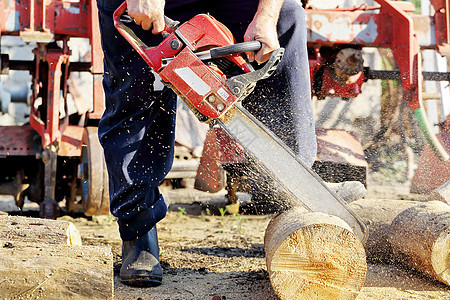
x: 140, y: 261
x: 349, y: 191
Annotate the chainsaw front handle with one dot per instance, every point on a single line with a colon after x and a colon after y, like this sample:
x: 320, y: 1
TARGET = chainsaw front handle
x: 236, y: 48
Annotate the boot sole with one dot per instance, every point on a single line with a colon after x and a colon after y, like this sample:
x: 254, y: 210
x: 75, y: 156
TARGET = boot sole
x: 142, y: 281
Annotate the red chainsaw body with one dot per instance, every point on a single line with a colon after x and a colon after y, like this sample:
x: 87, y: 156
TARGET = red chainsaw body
x: 202, y: 85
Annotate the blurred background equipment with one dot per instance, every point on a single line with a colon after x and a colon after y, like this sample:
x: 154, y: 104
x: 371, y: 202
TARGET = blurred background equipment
x: 51, y: 101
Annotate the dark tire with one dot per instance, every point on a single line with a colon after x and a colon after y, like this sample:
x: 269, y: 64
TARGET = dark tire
x: 94, y: 175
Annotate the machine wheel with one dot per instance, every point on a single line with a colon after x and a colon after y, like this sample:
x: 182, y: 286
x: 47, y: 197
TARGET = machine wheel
x: 93, y: 174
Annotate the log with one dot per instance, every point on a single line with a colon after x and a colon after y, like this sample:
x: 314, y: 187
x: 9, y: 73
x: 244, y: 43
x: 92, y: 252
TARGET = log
x: 420, y: 238
x: 441, y: 193
x: 44, y: 231
x: 54, y: 271
x: 312, y: 255
x: 378, y: 215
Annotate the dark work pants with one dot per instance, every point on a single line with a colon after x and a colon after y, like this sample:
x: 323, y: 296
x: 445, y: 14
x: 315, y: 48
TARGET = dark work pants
x: 138, y: 125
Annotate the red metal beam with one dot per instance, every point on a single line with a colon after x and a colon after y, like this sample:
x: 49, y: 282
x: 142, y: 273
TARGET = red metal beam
x: 41, y: 20
x: 50, y: 129
x: 442, y: 20
x: 368, y: 29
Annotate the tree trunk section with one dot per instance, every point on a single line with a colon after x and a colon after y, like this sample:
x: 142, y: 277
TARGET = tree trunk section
x: 378, y: 215
x: 54, y: 271
x: 312, y: 255
x: 420, y: 238
x: 41, y: 258
x: 34, y: 230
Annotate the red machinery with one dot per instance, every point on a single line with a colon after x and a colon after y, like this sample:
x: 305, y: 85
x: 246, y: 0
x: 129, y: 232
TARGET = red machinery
x: 43, y: 156
x: 50, y: 156
x: 336, y: 73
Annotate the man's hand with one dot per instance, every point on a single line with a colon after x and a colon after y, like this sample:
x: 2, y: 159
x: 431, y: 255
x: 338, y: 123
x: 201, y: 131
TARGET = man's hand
x: 148, y: 14
x: 263, y: 28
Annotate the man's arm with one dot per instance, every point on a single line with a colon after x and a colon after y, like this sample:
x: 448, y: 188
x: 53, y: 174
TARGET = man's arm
x: 263, y: 28
x: 148, y: 14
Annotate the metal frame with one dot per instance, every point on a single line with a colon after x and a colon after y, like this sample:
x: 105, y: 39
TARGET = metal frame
x: 46, y: 22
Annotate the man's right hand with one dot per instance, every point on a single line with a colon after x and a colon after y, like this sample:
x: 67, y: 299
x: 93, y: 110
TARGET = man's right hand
x: 148, y: 14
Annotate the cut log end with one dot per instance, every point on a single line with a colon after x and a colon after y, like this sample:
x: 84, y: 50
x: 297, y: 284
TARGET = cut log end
x: 440, y: 256
x: 314, y: 256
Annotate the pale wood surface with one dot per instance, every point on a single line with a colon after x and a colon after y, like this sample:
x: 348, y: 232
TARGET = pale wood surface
x: 54, y: 271
x: 378, y: 215
x: 41, y: 258
x: 442, y: 193
x: 311, y: 255
x: 36, y: 230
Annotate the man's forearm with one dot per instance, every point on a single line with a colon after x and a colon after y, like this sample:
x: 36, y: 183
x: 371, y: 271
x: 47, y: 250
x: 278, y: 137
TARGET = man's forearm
x: 269, y: 10
x: 263, y: 28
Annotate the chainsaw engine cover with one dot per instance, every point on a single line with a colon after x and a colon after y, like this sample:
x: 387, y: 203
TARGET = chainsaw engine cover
x: 204, y: 86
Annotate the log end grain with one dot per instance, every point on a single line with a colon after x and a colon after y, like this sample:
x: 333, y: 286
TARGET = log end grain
x: 313, y: 256
x: 440, y: 256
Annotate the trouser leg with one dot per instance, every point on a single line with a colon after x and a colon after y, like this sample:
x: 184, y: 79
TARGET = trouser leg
x: 137, y: 129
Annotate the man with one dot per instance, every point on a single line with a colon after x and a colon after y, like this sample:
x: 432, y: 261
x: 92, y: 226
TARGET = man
x: 137, y: 128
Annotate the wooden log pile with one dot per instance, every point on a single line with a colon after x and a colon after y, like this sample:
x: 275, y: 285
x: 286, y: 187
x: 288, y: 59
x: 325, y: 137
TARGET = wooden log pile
x: 42, y: 258
x: 413, y: 233
x: 311, y: 255
x: 420, y: 239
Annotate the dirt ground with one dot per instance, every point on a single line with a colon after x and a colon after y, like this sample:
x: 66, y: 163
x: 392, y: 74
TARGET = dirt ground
x: 207, y: 255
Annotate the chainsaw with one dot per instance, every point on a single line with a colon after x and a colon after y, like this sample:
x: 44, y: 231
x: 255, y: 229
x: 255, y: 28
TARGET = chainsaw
x: 200, y: 61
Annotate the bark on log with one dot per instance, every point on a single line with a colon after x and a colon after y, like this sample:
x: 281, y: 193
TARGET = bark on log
x: 39, y: 230
x: 311, y: 255
x: 420, y: 238
x: 442, y: 193
x: 54, y: 271
x: 378, y: 215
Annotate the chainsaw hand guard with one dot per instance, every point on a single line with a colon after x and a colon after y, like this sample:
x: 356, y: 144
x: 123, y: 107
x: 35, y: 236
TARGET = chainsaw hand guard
x: 242, y: 85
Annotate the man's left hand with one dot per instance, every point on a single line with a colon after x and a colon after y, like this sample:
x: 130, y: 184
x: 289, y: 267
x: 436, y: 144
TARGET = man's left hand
x: 263, y: 28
